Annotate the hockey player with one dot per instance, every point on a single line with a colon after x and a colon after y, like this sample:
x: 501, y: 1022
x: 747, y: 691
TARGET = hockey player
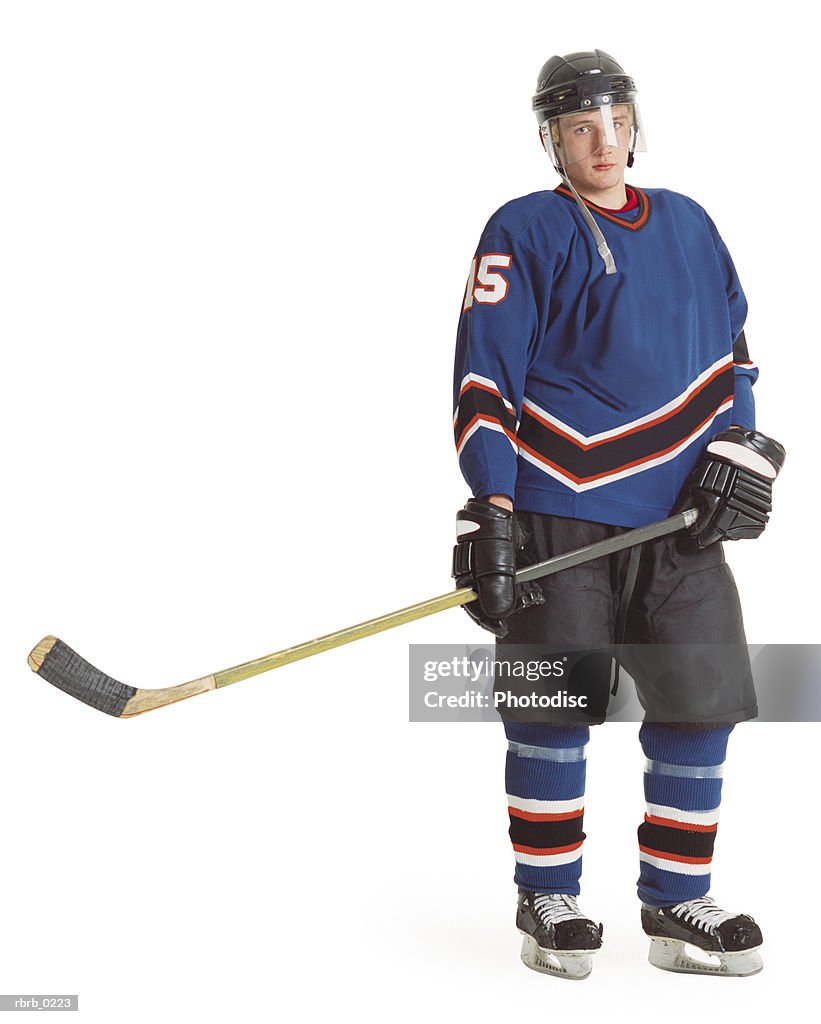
x: 602, y: 379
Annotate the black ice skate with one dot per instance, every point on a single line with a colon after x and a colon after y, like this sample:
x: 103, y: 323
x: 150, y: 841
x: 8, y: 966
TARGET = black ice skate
x: 731, y: 940
x: 558, y: 938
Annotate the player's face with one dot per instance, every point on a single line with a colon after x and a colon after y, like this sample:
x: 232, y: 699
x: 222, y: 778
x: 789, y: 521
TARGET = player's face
x: 593, y: 147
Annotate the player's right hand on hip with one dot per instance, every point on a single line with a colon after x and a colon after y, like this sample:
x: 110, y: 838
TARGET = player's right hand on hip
x: 484, y: 558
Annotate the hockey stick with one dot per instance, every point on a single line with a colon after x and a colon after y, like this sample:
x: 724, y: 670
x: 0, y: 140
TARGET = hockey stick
x: 65, y: 669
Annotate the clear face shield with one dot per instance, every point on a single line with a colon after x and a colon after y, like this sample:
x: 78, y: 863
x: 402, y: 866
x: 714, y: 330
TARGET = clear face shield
x: 597, y: 137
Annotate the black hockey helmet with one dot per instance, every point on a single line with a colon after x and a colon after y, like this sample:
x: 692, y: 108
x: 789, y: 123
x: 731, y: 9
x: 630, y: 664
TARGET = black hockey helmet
x: 578, y: 81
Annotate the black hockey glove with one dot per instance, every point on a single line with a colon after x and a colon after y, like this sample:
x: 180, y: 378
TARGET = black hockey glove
x: 484, y: 558
x: 732, y: 486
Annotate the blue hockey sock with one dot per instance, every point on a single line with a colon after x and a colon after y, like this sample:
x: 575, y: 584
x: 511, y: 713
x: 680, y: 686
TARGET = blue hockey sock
x: 682, y: 786
x: 544, y: 778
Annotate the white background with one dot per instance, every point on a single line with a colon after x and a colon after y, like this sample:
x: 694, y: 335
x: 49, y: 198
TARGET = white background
x: 234, y: 241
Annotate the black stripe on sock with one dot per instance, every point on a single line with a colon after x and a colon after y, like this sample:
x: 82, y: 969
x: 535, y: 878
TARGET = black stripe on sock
x: 545, y: 834
x: 676, y: 840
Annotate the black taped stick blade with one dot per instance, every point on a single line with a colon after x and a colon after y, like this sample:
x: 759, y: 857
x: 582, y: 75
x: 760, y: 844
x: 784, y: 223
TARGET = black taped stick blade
x: 57, y: 663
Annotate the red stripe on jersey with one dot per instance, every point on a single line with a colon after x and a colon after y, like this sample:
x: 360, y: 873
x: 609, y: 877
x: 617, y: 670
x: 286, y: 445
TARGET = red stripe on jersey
x: 484, y: 387
x: 479, y: 417
x: 586, y: 446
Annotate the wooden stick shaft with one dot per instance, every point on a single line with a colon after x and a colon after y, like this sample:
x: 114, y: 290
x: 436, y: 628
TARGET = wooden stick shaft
x: 345, y: 636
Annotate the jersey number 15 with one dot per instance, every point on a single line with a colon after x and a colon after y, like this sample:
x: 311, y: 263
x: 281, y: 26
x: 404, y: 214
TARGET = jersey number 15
x: 484, y: 284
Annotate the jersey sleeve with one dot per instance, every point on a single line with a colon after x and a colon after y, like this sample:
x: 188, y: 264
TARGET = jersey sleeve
x: 499, y: 329
x: 745, y: 370
x: 746, y: 374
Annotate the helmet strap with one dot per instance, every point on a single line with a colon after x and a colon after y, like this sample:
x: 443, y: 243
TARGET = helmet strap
x: 601, y: 243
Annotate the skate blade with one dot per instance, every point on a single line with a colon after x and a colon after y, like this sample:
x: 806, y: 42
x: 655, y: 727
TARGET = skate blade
x: 685, y: 958
x: 574, y: 965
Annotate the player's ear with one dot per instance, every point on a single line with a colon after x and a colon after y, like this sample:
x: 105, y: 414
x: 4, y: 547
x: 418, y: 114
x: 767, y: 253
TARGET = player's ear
x: 541, y: 139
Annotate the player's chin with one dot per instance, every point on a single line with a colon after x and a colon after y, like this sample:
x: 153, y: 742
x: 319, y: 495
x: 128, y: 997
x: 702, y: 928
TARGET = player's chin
x: 606, y: 177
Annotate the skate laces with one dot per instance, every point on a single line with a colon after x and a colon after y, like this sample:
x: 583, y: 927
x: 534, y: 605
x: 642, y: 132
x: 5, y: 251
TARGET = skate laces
x: 703, y: 912
x: 555, y: 907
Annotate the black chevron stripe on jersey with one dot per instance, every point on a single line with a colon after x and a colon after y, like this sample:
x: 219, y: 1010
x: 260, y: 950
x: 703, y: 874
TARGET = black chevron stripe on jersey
x: 480, y: 403
x: 590, y: 463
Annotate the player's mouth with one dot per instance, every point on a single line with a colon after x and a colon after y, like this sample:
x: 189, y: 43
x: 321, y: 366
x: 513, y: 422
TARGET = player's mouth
x: 603, y: 167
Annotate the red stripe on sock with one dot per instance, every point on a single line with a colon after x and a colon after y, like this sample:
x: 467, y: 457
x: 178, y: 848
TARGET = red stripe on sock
x: 514, y: 812
x: 547, y: 851
x: 685, y: 825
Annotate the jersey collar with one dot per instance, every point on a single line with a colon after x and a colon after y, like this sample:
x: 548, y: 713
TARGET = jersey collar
x: 631, y: 219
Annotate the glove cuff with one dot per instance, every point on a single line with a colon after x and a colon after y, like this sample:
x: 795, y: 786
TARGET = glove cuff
x: 480, y: 520
x: 749, y: 450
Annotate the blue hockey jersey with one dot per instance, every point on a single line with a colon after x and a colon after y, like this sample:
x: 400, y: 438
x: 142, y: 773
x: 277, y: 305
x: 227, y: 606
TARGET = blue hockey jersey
x: 590, y: 395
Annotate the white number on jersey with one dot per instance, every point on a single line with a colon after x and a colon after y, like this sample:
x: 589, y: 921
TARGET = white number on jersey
x: 491, y: 287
